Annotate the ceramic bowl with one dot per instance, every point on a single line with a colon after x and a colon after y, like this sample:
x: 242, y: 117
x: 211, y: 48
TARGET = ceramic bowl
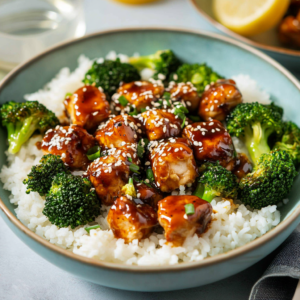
x: 267, y: 41
x: 226, y: 56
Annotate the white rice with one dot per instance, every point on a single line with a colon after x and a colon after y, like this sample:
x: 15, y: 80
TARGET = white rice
x: 232, y: 226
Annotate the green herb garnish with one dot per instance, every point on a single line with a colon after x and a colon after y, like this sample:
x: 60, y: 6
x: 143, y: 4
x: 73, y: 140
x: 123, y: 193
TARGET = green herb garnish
x: 68, y: 95
x: 94, y: 153
x: 123, y: 101
x: 134, y: 168
x: 189, y: 209
x: 133, y: 111
x: 150, y: 174
x: 181, y: 112
x: 92, y: 227
x: 143, y: 143
x: 194, y: 118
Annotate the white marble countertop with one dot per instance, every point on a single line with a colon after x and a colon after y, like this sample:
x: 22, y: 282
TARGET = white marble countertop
x: 25, y: 275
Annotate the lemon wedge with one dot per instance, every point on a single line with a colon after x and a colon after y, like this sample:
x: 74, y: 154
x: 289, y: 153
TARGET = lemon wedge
x: 249, y: 17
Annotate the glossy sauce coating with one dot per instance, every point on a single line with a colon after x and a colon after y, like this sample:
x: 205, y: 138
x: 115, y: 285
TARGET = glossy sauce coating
x: 185, y: 92
x: 118, y: 131
x: 177, y: 225
x: 71, y: 143
x: 219, y: 99
x: 87, y: 107
x: 110, y: 173
x: 160, y: 124
x: 130, y: 221
x: 173, y: 164
x: 140, y: 94
x: 148, y: 195
x: 210, y: 142
x: 242, y: 166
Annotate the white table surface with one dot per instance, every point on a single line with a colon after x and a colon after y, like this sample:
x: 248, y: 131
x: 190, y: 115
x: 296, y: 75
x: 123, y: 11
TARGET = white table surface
x: 25, y: 275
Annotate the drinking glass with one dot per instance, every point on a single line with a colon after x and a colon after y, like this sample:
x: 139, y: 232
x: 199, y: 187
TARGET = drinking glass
x: 27, y: 27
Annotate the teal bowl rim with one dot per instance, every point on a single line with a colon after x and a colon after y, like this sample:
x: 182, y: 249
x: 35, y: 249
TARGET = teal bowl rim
x: 215, y: 23
x: 154, y: 269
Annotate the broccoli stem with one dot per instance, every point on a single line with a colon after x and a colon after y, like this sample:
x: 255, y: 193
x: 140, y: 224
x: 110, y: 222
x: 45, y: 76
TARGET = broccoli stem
x: 209, y: 195
x: 20, y: 134
x: 256, y: 140
x: 204, y: 193
x: 199, y: 190
x: 142, y: 62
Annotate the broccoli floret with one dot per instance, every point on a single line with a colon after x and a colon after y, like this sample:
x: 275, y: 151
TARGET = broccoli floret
x: 23, y: 119
x: 270, y: 182
x: 71, y: 201
x: 109, y: 74
x: 200, y: 75
x: 40, y: 177
x: 164, y: 63
x: 129, y: 189
x: 216, y: 181
x: 290, y: 142
x: 255, y: 123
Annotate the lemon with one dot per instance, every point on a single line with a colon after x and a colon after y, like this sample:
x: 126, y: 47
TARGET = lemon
x: 249, y: 17
x: 136, y: 1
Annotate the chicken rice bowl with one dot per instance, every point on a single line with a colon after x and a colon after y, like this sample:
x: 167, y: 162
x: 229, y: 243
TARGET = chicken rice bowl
x: 147, y: 160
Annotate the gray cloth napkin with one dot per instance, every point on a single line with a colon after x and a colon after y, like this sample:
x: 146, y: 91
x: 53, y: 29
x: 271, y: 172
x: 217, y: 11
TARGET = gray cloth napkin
x: 281, y: 278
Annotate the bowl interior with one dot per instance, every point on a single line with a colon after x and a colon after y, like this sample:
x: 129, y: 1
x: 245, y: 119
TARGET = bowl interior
x: 226, y: 58
x: 268, y: 38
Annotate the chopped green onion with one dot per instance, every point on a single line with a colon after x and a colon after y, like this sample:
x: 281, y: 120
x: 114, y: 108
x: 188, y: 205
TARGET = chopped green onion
x: 94, y: 153
x: 140, y: 151
x: 135, y: 178
x: 180, y: 112
x: 194, y: 118
x: 92, y: 227
x: 150, y: 174
x: 68, y: 95
x: 181, y: 109
x: 134, y: 168
x: 130, y: 181
x: 183, y: 122
x: 143, y: 110
x: 134, y: 112
x: 189, y: 209
x: 141, y: 148
x: 167, y: 97
x: 129, y: 159
x: 123, y: 101
x: 147, y: 184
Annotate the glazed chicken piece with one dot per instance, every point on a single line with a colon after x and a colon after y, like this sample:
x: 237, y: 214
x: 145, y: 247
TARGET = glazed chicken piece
x: 160, y: 124
x: 173, y: 164
x: 289, y: 30
x: 110, y: 173
x: 185, y: 92
x: 219, y: 99
x: 71, y: 143
x: 177, y: 224
x: 87, y: 107
x: 242, y: 166
x: 211, y: 142
x: 148, y: 195
x: 131, y: 221
x: 139, y: 94
x: 118, y: 131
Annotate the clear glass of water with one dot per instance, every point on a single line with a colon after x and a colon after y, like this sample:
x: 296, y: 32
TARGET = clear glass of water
x: 27, y: 27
